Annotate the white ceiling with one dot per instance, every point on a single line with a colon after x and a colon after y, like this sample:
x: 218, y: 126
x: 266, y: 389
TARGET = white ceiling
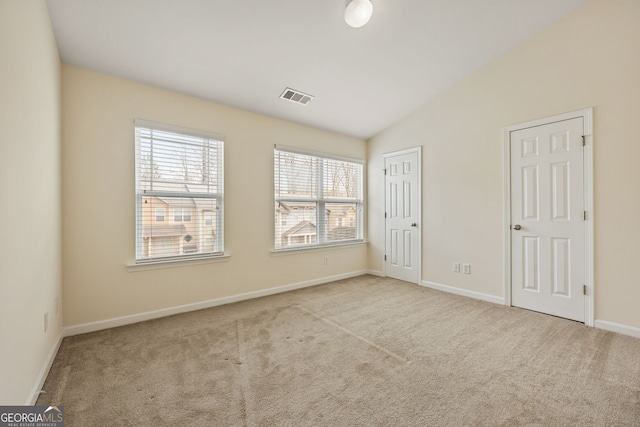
x: 244, y: 53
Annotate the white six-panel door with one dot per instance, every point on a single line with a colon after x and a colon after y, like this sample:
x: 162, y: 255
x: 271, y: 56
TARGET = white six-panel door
x: 402, y: 215
x: 547, y: 219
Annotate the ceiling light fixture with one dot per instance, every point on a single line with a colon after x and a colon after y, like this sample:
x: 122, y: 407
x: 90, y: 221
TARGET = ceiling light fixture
x: 358, y: 13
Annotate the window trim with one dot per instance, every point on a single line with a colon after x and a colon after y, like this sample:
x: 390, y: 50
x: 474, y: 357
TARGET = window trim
x: 290, y: 250
x: 168, y: 263
x: 320, y: 205
x: 305, y: 152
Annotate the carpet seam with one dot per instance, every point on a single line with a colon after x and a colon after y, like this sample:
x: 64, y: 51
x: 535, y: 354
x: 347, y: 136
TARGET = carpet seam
x: 353, y: 334
x: 244, y: 379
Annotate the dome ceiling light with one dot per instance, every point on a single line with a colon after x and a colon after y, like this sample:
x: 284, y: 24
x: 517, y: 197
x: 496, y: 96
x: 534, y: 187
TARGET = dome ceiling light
x: 358, y: 13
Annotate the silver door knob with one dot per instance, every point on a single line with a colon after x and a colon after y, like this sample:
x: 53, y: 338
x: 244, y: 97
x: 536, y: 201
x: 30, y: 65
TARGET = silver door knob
x: 414, y: 225
x: 517, y: 227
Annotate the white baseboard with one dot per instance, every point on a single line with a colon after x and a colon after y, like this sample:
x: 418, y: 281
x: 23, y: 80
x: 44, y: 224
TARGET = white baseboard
x: 617, y: 327
x: 141, y: 317
x: 463, y: 292
x: 375, y: 273
x: 44, y: 372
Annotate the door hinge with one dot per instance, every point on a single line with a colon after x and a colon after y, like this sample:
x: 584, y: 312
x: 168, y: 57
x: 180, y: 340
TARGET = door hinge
x: 385, y: 214
x: 584, y: 215
x: 385, y: 171
x: 584, y: 140
x: 385, y: 257
x: 584, y: 289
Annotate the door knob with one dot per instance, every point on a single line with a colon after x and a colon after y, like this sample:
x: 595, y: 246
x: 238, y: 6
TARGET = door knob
x: 517, y: 227
x: 414, y: 225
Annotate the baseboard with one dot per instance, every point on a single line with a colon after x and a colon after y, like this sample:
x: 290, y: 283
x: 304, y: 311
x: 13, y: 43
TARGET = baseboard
x: 463, y: 292
x: 44, y: 372
x: 600, y: 324
x: 617, y: 327
x: 149, y: 315
x: 375, y: 273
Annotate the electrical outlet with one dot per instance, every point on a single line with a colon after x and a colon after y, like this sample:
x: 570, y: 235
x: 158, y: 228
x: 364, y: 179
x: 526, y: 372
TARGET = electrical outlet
x: 466, y: 268
x: 326, y: 260
x: 46, y: 321
x: 456, y: 267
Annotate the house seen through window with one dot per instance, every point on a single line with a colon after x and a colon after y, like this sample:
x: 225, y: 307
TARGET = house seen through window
x: 179, y: 192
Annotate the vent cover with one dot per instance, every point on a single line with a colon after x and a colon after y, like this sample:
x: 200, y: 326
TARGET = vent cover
x: 296, y: 96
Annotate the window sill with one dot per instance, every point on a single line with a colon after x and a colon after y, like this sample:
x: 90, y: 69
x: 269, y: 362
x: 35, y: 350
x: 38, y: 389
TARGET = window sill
x: 154, y: 265
x: 299, y: 249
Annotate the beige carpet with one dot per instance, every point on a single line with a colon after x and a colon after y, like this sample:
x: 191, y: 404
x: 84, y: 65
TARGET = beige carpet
x: 366, y: 351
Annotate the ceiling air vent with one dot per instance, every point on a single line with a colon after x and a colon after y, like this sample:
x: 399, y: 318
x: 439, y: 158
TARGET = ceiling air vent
x: 296, y: 96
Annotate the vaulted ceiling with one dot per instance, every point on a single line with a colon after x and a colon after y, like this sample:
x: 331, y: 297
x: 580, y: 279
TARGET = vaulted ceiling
x: 244, y: 53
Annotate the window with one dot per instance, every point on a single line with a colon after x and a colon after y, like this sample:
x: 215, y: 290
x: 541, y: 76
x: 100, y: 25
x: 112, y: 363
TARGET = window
x: 318, y: 197
x: 208, y: 219
x: 159, y: 214
x: 180, y: 170
x: 180, y: 215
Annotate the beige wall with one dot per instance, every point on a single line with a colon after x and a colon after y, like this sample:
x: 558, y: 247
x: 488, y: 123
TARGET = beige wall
x: 98, y: 200
x: 30, y: 251
x: 589, y: 59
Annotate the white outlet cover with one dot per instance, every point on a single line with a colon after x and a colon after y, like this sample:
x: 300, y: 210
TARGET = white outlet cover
x: 466, y: 268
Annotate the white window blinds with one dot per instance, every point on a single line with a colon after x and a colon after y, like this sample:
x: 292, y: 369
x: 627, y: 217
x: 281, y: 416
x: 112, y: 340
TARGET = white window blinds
x: 318, y: 200
x: 179, y: 192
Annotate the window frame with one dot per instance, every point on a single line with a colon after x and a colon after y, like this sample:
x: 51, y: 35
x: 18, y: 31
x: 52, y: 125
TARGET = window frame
x: 217, y: 197
x: 320, y: 203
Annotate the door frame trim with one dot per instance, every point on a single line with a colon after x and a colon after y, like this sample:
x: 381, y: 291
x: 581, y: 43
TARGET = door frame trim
x: 587, y: 116
x: 418, y: 150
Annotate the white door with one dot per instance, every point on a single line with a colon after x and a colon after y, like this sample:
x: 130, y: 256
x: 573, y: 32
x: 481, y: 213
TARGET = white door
x: 547, y: 219
x: 402, y: 175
